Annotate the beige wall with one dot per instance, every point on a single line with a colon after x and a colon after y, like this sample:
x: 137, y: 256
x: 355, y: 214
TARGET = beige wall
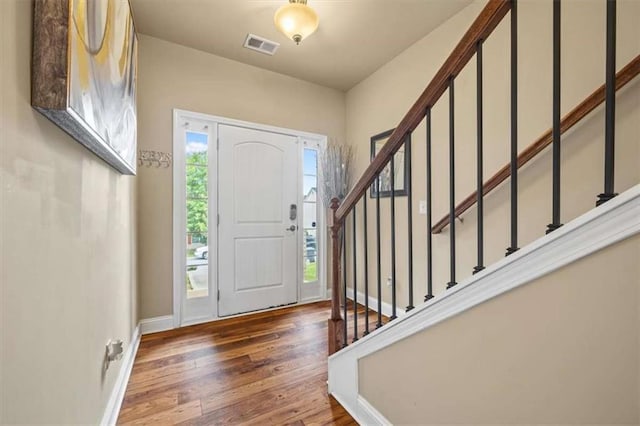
x: 564, y: 349
x: 67, y: 266
x: 379, y: 102
x: 173, y: 76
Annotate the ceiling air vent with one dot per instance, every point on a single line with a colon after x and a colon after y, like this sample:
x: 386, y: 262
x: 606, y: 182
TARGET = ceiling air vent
x: 260, y: 44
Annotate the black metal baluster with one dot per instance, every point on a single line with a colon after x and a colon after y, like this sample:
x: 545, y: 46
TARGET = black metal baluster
x: 514, y: 128
x: 344, y: 280
x: 429, y: 294
x: 452, y: 190
x: 479, y: 164
x: 393, y: 239
x: 355, y: 276
x: 555, y: 186
x: 407, y: 159
x: 366, y: 269
x: 610, y: 106
x: 378, y: 253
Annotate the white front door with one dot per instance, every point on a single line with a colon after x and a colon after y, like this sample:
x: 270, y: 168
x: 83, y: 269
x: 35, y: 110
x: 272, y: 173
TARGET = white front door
x: 258, y: 213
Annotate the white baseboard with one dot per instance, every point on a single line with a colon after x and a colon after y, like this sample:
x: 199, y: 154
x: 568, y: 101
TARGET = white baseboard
x: 373, y: 304
x: 157, y: 324
x: 595, y: 230
x: 145, y: 326
x: 112, y: 410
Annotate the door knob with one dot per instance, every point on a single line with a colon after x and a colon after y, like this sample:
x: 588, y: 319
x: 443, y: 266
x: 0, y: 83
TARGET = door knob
x: 291, y: 228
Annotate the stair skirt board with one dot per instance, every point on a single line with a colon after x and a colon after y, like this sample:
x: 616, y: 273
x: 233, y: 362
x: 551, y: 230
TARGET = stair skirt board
x: 369, y: 415
x: 595, y: 230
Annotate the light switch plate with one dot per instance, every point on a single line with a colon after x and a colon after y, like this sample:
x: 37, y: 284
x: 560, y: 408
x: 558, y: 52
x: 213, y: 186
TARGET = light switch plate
x: 423, y: 206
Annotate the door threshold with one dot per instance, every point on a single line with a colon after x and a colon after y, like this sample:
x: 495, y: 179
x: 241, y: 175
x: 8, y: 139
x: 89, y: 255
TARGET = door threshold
x: 270, y: 308
x: 204, y: 320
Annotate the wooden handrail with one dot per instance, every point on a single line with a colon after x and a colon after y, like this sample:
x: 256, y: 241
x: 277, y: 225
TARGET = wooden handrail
x: 484, y: 24
x: 624, y: 76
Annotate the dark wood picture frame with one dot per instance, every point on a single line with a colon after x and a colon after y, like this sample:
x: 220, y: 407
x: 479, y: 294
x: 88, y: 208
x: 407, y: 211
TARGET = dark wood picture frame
x: 377, y: 141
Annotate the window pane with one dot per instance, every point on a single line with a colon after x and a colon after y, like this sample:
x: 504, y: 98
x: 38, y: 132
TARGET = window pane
x: 197, y: 181
x: 197, y: 273
x: 197, y: 277
x: 310, y: 256
x: 196, y: 148
x: 310, y: 185
x: 310, y: 243
x: 310, y: 213
x: 310, y: 269
x: 197, y: 215
x: 310, y: 188
x: 310, y: 162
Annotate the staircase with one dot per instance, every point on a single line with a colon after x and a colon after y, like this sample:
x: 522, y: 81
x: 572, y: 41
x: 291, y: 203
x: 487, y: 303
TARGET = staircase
x: 614, y: 218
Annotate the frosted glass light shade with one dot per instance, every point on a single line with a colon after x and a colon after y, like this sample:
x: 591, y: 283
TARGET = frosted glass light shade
x: 296, y: 20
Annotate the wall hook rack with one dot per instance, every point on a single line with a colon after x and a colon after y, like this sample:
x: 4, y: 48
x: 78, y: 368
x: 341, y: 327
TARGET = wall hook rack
x: 155, y: 159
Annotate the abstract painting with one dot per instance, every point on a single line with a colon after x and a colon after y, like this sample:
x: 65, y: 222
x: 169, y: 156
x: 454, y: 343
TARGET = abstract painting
x: 400, y: 173
x: 84, y: 74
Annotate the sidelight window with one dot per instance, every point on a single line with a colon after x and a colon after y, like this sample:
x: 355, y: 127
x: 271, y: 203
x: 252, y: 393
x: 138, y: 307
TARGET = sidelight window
x: 197, y: 244
x: 310, y: 215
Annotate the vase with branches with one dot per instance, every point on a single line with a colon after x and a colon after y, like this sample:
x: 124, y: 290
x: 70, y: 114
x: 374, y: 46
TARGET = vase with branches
x: 335, y: 166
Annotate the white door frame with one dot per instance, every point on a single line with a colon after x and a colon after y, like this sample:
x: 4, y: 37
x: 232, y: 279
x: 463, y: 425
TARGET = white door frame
x: 305, y: 139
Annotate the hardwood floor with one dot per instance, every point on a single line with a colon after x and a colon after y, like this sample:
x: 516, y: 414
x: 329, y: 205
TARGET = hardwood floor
x: 264, y: 369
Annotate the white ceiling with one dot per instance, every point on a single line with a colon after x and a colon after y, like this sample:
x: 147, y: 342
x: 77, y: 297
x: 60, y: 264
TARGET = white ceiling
x: 355, y: 37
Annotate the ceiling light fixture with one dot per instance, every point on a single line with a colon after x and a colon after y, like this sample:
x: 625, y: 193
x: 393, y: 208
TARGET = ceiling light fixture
x: 296, y: 20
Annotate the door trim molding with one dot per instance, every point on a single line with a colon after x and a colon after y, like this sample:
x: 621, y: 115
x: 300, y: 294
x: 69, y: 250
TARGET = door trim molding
x: 176, y: 223
x: 179, y: 198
